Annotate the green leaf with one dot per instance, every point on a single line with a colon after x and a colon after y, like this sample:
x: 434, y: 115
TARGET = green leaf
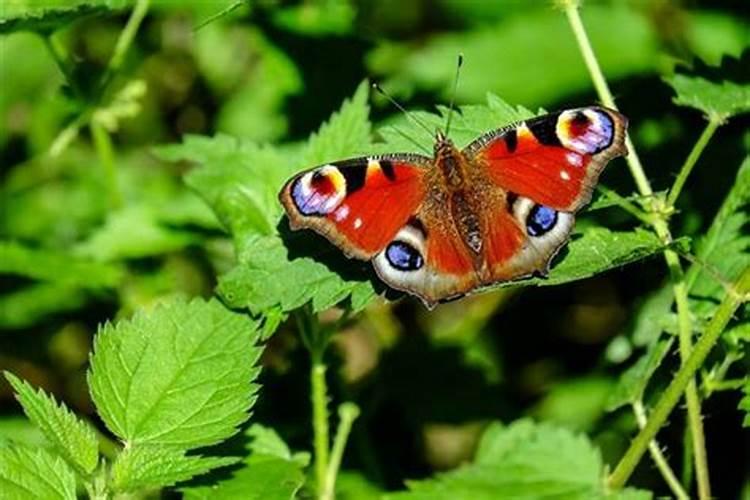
x: 576, y: 403
x: 268, y: 277
x: 34, y: 473
x: 148, y: 466
x: 109, y: 242
x: 34, y: 303
x: 523, y: 461
x: 720, y: 96
x: 52, y: 17
x: 270, y: 472
x: 56, y: 266
x: 725, y: 247
x: 633, y: 381
x: 317, y: 18
x: 73, y: 438
x: 20, y: 430
x: 180, y: 375
x: 595, y: 250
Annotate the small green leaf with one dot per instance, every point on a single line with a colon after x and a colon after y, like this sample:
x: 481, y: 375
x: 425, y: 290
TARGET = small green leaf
x: 180, y: 375
x: 523, y: 461
x: 317, y: 18
x: 34, y: 473
x: 73, y: 438
x: 148, y: 466
x: 718, y: 97
x: 34, y: 303
x: 56, y: 266
x: 109, y: 243
x: 270, y: 472
x: 634, y: 380
x: 47, y: 20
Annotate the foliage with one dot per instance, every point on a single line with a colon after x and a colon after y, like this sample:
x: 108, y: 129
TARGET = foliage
x: 165, y: 332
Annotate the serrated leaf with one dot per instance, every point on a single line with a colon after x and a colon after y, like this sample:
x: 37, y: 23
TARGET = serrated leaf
x: 522, y: 461
x: 34, y: 473
x: 719, y: 92
x: 148, y: 466
x: 56, y: 266
x: 725, y: 247
x: 74, y: 439
x: 180, y: 375
x: 270, y: 472
x: 273, y: 273
x: 51, y: 18
x: 633, y: 381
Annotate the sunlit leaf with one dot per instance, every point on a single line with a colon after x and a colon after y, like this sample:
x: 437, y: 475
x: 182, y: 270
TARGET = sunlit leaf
x: 52, y: 15
x: 34, y: 473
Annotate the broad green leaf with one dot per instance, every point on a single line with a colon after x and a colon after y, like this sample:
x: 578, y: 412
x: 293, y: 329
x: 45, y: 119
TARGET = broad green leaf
x: 725, y: 247
x: 20, y: 430
x: 595, y: 250
x: 523, y: 461
x: 74, y: 439
x: 180, y: 375
x: 270, y: 472
x: 34, y: 473
x: 148, y: 466
x: 719, y: 96
x: 34, y: 303
x: 548, y: 66
x: 351, y: 485
x: 273, y: 273
x: 111, y: 242
x: 56, y: 266
x: 23, y: 16
x: 633, y: 381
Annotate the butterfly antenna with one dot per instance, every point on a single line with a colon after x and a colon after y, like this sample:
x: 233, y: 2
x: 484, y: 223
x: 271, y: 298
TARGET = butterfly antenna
x: 459, y: 63
x: 411, y: 116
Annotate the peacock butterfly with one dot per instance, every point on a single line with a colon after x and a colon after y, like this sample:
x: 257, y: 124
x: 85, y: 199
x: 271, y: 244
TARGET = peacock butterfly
x: 441, y: 227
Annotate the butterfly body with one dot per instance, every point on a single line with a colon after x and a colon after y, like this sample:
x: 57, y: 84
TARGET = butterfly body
x: 440, y: 227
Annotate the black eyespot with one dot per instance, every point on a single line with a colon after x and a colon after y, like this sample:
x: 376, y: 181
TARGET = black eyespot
x: 540, y: 220
x: 403, y: 256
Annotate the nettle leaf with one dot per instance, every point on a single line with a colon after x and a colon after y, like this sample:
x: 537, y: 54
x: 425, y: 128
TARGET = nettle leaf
x: 633, y: 382
x: 524, y: 461
x: 716, y: 91
x: 52, y: 17
x: 271, y: 471
x: 180, y: 375
x: 148, y: 466
x: 725, y: 247
x: 72, y: 437
x: 34, y: 473
x: 56, y: 266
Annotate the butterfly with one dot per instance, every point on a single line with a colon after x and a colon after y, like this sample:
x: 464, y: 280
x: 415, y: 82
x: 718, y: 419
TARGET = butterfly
x: 438, y: 228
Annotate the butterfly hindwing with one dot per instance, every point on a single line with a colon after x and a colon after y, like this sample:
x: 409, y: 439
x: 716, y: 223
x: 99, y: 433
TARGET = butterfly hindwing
x: 358, y: 204
x: 555, y: 159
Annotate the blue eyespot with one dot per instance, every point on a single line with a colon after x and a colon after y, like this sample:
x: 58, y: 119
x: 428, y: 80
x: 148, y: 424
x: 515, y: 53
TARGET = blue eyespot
x: 403, y: 256
x: 540, y: 220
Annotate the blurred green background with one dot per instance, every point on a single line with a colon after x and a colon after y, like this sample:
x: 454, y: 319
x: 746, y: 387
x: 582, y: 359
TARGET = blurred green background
x: 272, y: 71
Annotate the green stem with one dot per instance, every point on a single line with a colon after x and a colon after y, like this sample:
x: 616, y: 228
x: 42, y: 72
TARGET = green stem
x: 658, y: 457
x: 124, y: 41
x: 348, y: 413
x: 671, y: 396
x: 103, y: 144
x: 320, y: 424
x: 713, y: 123
x: 661, y: 228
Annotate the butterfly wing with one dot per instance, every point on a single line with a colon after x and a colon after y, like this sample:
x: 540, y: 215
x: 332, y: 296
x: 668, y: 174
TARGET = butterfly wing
x: 542, y: 171
x: 554, y: 160
x: 359, y: 204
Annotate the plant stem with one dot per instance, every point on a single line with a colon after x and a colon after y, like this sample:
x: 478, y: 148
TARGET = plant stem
x: 348, y: 413
x: 659, y: 223
x: 103, y: 144
x: 671, y: 396
x: 658, y: 457
x: 320, y: 424
x: 125, y: 40
x: 713, y: 123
